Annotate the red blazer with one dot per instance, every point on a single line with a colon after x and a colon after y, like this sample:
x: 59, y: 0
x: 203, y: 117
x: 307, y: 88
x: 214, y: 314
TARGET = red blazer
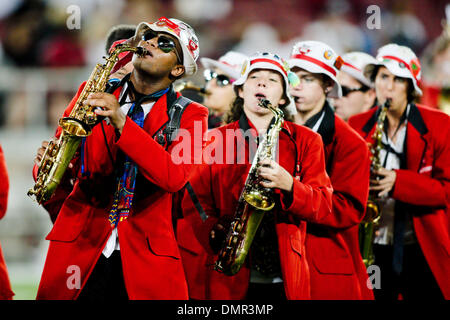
x: 150, y: 257
x: 193, y: 255
x: 5, y: 286
x: 218, y: 187
x: 332, y: 248
x: 425, y: 183
x: 431, y: 95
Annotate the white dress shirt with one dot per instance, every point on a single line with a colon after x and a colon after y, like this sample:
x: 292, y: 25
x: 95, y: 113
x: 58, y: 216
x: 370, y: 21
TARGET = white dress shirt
x: 113, y: 240
x: 386, y: 229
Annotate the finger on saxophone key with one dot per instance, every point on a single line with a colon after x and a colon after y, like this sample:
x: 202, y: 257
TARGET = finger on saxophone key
x: 40, y: 152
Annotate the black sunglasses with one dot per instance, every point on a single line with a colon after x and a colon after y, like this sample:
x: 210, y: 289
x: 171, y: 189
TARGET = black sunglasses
x: 164, y: 43
x: 346, y: 90
x: 221, y: 79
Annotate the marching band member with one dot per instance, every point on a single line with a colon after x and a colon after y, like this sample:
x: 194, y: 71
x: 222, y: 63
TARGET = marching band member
x: 412, y: 244
x: 336, y: 267
x: 358, y: 94
x: 275, y: 267
x: 5, y: 286
x: 114, y: 230
x: 219, y: 76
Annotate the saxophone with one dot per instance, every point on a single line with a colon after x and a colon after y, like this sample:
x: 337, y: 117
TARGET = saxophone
x: 189, y: 85
x: 253, y: 202
x: 373, y: 210
x: 77, y: 125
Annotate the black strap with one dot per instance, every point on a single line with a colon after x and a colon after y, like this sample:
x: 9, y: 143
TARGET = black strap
x: 175, y: 111
x: 196, y: 202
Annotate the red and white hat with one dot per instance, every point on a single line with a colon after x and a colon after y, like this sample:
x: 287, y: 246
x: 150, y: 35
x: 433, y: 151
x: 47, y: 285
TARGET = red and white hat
x: 400, y: 61
x: 317, y: 57
x: 185, y: 35
x: 270, y: 61
x: 230, y: 63
x: 354, y: 64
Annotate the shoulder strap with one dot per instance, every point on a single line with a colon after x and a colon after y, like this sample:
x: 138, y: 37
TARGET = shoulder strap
x: 196, y: 202
x: 175, y: 111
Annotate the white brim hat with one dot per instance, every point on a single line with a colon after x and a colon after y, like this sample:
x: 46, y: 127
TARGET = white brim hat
x: 268, y: 61
x: 354, y: 64
x: 185, y: 35
x: 401, y: 61
x: 230, y: 63
x: 317, y: 57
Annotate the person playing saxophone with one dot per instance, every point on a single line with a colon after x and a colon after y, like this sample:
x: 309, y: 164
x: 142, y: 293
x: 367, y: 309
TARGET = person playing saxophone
x: 113, y: 238
x: 219, y: 76
x: 412, y: 244
x: 275, y: 267
x: 337, y: 270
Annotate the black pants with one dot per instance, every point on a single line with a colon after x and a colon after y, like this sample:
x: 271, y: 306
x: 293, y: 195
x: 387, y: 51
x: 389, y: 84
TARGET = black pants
x: 268, y: 292
x: 415, y: 282
x: 106, y: 281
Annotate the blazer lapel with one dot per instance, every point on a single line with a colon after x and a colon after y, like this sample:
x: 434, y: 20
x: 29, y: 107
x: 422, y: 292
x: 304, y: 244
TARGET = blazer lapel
x: 157, y: 117
x: 416, y: 142
x: 370, y: 125
x: 287, y: 150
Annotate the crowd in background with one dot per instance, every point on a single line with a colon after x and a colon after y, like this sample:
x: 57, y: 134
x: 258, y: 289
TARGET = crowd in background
x: 66, y: 34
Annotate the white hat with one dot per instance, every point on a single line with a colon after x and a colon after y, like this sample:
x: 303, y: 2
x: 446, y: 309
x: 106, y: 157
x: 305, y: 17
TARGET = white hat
x: 269, y: 61
x: 317, y: 57
x: 230, y: 63
x: 185, y: 35
x: 400, y: 61
x: 354, y: 64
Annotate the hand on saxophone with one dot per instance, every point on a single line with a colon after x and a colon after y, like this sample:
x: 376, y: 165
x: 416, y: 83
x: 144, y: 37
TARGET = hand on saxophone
x: 386, y: 182
x: 275, y: 176
x: 219, y: 232
x: 109, y: 108
x: 40, y: 154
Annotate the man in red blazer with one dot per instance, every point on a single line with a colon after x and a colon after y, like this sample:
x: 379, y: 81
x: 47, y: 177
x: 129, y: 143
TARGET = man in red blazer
x: 106, y: 244
x: 332, y: 250
x: 412, y: 243
x: 275, y: 266
x: 5, y: 286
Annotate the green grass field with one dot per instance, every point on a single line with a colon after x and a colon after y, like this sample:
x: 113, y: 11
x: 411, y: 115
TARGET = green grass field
x: 24, y: 290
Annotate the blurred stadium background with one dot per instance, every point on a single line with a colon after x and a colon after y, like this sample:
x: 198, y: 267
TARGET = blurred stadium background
x: 42, y: 62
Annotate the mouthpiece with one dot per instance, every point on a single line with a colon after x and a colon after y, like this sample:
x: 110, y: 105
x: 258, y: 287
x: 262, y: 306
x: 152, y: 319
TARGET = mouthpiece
x: 141, y: 51
x: 264, y: 103
x: 387, y: 103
